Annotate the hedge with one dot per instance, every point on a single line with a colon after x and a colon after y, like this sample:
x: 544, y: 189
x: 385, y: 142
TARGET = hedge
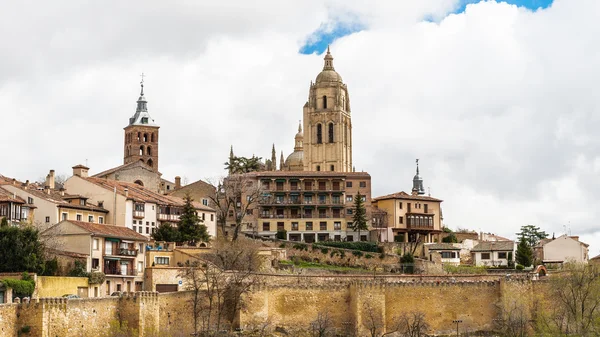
x: 358, y: 245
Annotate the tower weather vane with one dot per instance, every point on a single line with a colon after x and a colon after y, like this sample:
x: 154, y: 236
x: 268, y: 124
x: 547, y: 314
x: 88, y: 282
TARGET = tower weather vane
x: 142, y: 76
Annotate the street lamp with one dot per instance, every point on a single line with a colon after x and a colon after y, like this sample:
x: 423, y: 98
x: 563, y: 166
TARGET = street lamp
x: 457, y: 321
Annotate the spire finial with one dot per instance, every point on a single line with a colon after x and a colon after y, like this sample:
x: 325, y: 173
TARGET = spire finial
x: 417, y: 166
x: 328, y: 61
x: 328, y: 50
x: 299, y: 125
x: 142, y: 84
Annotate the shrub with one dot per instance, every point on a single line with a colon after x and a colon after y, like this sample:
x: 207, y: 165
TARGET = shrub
x: 519, y: 267
x: 357, y: 245
x: 282, y: 234
x: 408, y: 263
x: 21, y: 288
x: 300, y: 246
x: 78, y: 270
x: 324, y: 250
x: 357, y: 253
x: 96, y: 277
x: 368, y: 256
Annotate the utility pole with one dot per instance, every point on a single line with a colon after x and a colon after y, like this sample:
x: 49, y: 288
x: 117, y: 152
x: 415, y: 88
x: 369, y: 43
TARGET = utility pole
x: 457, y: 321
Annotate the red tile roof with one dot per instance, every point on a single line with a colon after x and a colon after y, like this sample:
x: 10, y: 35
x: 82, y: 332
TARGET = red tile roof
x: 118, y: 232
x: 405, y: 196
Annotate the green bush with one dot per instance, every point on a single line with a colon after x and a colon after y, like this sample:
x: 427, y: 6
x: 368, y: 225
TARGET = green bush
x: 78, y: 270
x: 357, y: 253
x: 96, y: 277
x: 519, y: 267
x: 368, y: 256
x: 324, y: 250
x: 358, y: 245
x: 21, y: 288
x: 300, y: 246
x: 282, y: 234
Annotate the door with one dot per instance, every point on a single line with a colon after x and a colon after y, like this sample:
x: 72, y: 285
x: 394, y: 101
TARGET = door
x: 166, y: 288
x: 82, y: 292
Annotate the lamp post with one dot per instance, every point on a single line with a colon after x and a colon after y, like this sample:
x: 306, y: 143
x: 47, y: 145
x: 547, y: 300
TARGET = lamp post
x: 457, y: 321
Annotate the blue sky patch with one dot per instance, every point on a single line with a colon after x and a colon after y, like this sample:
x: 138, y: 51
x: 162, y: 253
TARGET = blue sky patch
x: 324, y: 36
x: 529, y: 4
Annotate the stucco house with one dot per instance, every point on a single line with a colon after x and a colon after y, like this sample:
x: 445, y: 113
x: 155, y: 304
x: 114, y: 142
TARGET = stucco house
x: 493, y: 253
x: 562, y: 249
x: 448, y: 253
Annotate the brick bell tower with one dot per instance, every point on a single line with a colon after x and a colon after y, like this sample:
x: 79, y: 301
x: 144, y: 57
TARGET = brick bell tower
x: 141, y: 135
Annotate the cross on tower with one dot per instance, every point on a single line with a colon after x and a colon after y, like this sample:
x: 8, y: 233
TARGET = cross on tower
x: 142, y: 76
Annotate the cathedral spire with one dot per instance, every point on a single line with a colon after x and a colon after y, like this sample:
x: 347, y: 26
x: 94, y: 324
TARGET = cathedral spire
x: 273, y: 159
x: 418, y: 183
x: 328, y: 61
x: 281, y: 162
x: 142, y: 102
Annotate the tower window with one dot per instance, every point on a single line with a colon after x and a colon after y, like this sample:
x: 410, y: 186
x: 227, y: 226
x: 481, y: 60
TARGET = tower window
x: 149, y: 150
x: 144, y: 120
x: 150, y: 163
x: 324, y: 102
x: 142, y: 150
x: 332, y: 168
x: 139, y: 136
x: 128, y: 151
x: 319, y: 134
x: 145, y: 137
x: 331, y: 132
x: 318, y: 167
x: 152, y: 137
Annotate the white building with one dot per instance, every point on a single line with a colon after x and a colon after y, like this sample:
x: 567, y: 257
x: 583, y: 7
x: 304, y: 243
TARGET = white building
x: 493, y: 253
x: 562, y: 249
x: 447, y: 251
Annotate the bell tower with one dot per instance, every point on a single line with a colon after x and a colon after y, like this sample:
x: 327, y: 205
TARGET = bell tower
x: 327, y: 123
x: 141, y: 135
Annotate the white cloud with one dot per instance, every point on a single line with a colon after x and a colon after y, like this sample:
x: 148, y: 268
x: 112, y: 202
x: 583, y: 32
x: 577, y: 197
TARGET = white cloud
x: 499, y: 102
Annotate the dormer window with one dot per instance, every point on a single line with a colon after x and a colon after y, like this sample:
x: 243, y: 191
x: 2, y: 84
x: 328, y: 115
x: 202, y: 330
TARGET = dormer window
x: 82, y: 202
x: 144, y: 120
x: 30, y: 200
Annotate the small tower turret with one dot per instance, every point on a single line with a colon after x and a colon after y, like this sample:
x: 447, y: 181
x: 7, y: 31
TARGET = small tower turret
x: 418, y: 183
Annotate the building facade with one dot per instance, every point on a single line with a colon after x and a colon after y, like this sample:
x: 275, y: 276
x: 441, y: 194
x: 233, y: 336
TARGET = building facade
x: 141, y: 136
x: 562, y: 249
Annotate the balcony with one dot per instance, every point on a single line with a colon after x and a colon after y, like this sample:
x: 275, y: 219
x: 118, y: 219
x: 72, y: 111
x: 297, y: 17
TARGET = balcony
x: 119, y: 271
x: 138, y: 214
x: 167, y: 217
x: 127, y: 252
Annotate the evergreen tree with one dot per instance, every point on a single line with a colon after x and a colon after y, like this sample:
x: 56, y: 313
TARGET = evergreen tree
x: 531, y: 234
x: 166, y: 232
x: 3, y: 222
x: 190, y: 229
x: 21, y: 250
x: 524, y: 254
x: 359, y: 219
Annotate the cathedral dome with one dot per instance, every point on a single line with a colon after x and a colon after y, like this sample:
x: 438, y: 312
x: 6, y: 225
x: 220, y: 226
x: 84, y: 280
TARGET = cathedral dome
x: 328, y: 76
x: 295, y: 161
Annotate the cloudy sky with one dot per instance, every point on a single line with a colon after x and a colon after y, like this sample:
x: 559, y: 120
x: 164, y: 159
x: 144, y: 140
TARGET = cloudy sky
x: 498, y: 100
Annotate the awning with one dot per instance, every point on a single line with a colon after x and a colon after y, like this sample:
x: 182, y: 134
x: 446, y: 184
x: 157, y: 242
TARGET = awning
x: 127, y: 241
x: 112, y: 258
x: 280, y: 180
x: 112, y: 239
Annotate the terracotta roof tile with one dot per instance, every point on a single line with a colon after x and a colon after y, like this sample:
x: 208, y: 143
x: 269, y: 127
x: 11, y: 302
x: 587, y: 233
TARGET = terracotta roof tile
x: 405, y: 196
x: 112, y: 231
x: 441, y: 246
x: 494, y: 245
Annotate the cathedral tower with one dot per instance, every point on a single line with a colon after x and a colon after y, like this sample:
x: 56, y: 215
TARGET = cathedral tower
x: 327, y: 140
x: 141, y: 136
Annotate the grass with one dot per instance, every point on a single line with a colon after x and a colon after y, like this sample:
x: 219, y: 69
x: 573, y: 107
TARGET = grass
x: 322, y: 266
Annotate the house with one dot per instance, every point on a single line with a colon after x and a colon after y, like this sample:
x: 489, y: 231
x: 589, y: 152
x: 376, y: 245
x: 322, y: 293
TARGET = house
x: 448, y: 252
x: 561, y: 249
x: 134, y: 206
x: 116, y: 251
x: 52, y: 205
x: 14, y: 208
x: 200, y: 191
x: 493, y: 253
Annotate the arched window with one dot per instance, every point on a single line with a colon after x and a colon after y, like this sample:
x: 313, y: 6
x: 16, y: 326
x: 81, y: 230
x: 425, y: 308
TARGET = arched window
x: 318, y: 168
x: 150, y: 163
x: 128, y: 151
x: 139, y: 182
x: 145, y: 137
x: 149, y: 150
x: 331, y: 132
x: 319, y: 134
x: 324, y: 102
x: 139, y: 135
x: 152, y: 137
x: 141, y: 150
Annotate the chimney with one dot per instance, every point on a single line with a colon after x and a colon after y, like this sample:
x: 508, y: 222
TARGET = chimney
x: 62, y: 191
x: 126, y: 192
x: 47, y: 189
x: 26, y: 184
x: 81, y: 171
x: 50, y: 180
x: 177, y: 182
x: 14, y: 182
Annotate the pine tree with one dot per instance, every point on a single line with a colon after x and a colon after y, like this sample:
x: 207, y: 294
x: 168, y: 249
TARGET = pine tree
x: 190, y: 229
x: 166, y: 232
x: 359, y: 219
x: 524, y: 254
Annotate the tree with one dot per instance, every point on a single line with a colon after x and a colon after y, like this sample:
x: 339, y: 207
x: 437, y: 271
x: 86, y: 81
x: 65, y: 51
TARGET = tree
x: 575, y: 309
x: 524, y: 254
x: 166, y: 232
x: 359, y: 217
x: 322, y: 326
x: 531, y: 234
x: 234, y: 196
x: 190, y: 229
x: 412, y: 324
x: 21, y: 250
x: 4, y: 222
x: 239, y: 165
x: 408, y: 263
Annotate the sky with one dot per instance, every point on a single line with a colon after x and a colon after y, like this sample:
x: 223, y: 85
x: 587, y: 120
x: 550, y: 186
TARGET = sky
x: 496, y: 99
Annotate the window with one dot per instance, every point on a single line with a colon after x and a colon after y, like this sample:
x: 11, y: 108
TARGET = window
x: 47, y: 219
x: 144, y: 120
x: 425, y: 209
x: 29, y: 200
x: 502, y: 255
x: 319, y: 134
x: 100, y: 220
x: 266, y: 226
x: 212, y: 217
x: 324, y: 102
x: 79, y: 217
x: 96, y: 244
x: 147, y: 230
x: 205, y: 202
x: 309, y: 226
x: 363, y: 184
x: 318, y: 168
x: 140, y: 229
x: 485, y: 256
x: 400, y: 220
x: 90, y: 218
x: 95, y: 263
x: 400, y: 205
x: 140, y: 266
x: 337, y: 225
x: 330, y: 132
x: 332, y: 168
x: 153, y: 224
x: 349, y: 198
x: 294, y: 226
x: 448, y: 255
x: 348, y: 184
x: 349, y: 238
x: 162, y: 260
x: 82, y: 202
x: 323, y: 225
x: 147, y: 223
x: 108, y: 247
x: 248, y: 212
x: 349, y: 211
x: 135, y: 228
x: 280, y: 226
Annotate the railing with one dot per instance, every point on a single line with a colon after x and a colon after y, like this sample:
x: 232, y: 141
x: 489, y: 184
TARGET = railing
x: 118, y: 271
x: 128, y: 252
x: 138, y: 214
x: 168, y: 217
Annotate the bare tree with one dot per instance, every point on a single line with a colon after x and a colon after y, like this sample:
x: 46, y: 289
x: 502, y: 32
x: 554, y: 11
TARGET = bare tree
x: 322, y: 326
x: 411, y: 324
x: 235, y: 195
x: 514, y: 318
